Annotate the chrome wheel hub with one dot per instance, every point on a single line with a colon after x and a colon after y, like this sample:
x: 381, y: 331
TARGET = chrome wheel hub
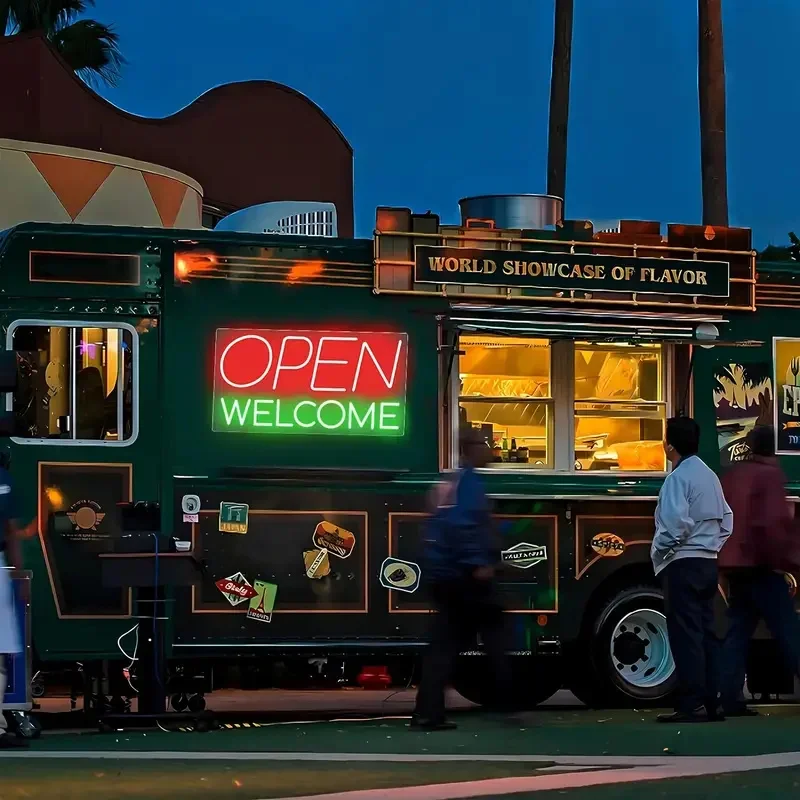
x: 640, y: 649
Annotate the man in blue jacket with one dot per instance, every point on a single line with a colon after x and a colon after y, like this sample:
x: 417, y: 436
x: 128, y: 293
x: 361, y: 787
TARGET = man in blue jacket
x: 10, y: 642
x: 459, y: 559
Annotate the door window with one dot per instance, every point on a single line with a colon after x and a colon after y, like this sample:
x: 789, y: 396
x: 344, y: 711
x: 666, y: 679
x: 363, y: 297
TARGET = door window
x: 75, y: 383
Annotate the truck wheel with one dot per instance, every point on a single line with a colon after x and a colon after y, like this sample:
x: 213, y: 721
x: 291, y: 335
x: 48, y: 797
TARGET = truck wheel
x: 624, y: 657
x: 534, y: 680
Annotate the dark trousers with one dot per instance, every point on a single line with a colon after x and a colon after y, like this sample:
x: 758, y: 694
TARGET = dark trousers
x: 754, y: 595
x: 690, y: 588
x: 463, y: 608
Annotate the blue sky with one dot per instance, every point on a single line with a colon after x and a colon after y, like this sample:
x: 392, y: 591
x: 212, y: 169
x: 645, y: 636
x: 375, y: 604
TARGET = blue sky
x: 446, y: 98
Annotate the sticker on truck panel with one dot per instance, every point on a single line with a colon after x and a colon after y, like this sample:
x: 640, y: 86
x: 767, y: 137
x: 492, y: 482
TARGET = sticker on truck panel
x: 337, y: 541
x: 190, y: 504
x: 524, y: 555
x: 317, y: 564
x: 263, y: 604
x: 399, y: 575
x: 608, y: 545
x: 233, y: 517
x: 235, y: 588
x: 85, y: 515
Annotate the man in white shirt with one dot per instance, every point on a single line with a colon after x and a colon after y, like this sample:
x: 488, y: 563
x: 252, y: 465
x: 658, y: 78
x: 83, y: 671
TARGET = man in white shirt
x: 693, y: 521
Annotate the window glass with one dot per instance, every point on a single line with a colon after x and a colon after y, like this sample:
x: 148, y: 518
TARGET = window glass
x: 505, y: 391
x: 620, y: 408
x: 74, y: 383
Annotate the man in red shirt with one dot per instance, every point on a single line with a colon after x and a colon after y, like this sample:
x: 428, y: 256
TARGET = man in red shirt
x: 763, y: 547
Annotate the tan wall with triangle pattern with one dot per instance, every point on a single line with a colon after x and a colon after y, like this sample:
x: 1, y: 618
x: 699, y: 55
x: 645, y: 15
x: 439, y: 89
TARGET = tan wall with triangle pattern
x: 45, y: 183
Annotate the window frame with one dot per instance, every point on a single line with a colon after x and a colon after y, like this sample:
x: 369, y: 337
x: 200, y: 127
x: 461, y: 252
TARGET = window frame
x: 562, y: 403
x: 72, y: 325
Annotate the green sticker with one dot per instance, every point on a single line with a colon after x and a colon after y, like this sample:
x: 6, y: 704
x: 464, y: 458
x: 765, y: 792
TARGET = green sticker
x: 233, y: 517
x: 263, y: 604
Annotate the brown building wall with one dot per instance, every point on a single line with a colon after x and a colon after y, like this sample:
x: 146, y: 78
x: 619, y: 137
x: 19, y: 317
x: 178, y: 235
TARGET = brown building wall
x: 245, y: 143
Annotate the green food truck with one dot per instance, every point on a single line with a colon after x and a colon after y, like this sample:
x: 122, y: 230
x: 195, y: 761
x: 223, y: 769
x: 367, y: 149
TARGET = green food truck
x: 273, y: 411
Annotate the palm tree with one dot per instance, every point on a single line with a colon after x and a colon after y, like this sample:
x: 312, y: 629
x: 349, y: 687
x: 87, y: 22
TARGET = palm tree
x: 711, y: 84
x: 559, y: 100
x: 90, y: 48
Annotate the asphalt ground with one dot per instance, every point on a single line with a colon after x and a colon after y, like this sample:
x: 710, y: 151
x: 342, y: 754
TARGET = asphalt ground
x: 564, y: 750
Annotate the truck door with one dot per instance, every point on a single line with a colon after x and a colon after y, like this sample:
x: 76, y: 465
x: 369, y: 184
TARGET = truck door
x: 86, y: 431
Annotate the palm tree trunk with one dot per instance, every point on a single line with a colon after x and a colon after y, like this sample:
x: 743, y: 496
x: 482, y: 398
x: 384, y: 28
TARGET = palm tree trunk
x: 559, y: 100
x: 711, y: 84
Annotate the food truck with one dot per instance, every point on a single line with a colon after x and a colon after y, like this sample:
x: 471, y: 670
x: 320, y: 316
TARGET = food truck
x: 281, y: 406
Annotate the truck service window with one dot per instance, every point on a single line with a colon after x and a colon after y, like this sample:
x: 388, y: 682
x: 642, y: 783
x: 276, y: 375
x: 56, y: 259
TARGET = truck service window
x: 564, y: 405
x: 505, y: 390
x: 75, y: 383
x: 620, y: 409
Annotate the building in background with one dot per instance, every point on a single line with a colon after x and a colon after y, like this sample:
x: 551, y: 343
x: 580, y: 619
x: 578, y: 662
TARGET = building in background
x: 295, y: 219
x: 245, y: 144
x: 43, y: 182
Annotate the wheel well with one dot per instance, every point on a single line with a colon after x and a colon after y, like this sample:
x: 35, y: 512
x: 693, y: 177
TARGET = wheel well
x: 629, y: 575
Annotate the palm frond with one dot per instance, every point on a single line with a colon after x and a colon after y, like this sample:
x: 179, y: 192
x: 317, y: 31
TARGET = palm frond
x: 91, y: 49
x: 46, y: 15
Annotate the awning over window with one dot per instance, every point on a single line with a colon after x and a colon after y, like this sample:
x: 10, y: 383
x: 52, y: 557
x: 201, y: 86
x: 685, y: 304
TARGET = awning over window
x: 595, y: 325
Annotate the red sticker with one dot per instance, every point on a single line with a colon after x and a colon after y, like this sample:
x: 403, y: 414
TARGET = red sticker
x: 236, y: 588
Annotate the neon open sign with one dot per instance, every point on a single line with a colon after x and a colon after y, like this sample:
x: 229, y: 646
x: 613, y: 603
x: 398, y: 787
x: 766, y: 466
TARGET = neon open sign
x: 309, y: 382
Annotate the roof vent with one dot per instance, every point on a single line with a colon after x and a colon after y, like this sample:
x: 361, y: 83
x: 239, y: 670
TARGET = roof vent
x: 515, y: 211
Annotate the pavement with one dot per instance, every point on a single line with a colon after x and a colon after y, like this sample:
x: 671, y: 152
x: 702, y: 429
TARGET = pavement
x: 563, y: 750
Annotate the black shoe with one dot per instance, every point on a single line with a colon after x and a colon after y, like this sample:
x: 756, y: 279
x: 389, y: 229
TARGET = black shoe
x: 741, y: 711
x: 715, y: 715
x: 684, y: 717
x: 422, y: 724
x: 9, y: 741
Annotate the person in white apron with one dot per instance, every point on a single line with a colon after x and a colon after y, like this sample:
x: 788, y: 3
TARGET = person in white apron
x: 10, y: 642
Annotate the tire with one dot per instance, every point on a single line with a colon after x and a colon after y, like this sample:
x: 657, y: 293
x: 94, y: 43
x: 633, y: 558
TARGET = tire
x: 179, y: 702
x: 197, y: 703
x: 623, y: 657
x: 534, y: 680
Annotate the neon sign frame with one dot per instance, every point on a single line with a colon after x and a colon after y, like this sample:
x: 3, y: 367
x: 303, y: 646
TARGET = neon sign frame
x: 350, y: 383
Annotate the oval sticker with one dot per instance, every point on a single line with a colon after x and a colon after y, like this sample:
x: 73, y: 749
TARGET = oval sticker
x: 404, y: 576
x: 608, y: 545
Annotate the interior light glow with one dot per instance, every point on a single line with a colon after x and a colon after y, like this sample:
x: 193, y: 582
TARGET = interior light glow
x: 305, y: 270
x: 194, y: 261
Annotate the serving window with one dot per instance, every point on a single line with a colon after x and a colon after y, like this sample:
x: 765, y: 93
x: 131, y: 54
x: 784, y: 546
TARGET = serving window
x: 563, y: 405
x: 619, y: 408
x: 505, y: 391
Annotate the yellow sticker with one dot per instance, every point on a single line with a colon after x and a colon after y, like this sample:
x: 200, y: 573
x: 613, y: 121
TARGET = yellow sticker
x: 317, y: 563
